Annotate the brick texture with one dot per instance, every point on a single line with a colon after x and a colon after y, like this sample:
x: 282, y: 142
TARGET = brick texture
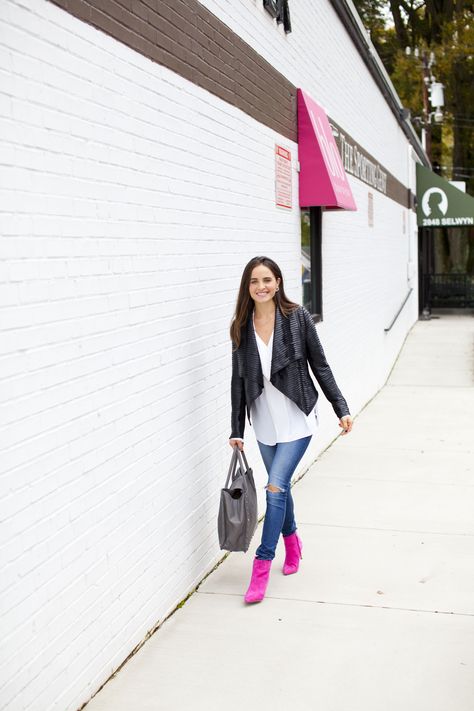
x: 186, y: 38
x: 130, y: 200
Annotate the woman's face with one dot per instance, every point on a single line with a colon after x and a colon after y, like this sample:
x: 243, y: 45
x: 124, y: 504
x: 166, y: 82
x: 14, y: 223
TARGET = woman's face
x: 263, y: 284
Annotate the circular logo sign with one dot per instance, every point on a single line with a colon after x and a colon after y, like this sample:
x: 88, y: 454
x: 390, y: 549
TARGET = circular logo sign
x: 433, y: 201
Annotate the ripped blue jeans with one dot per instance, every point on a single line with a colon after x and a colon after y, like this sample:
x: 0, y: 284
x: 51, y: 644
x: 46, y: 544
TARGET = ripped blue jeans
x: 280, y: 462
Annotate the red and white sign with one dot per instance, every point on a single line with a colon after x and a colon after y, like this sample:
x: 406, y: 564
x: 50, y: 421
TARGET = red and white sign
x: 283, y: 177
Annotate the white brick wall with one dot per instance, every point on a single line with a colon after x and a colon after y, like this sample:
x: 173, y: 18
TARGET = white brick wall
x: 130, y: 200
x: 319, y: 56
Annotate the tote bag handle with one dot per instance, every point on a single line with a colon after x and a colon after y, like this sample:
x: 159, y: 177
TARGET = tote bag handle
x: 238, y: 457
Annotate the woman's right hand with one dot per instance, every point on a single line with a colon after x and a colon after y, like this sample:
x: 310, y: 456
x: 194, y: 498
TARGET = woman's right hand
x: 237, y: 442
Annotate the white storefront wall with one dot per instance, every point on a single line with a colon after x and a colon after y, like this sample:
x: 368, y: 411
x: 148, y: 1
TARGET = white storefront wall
x: 131, y: 199
x: 319, y: 56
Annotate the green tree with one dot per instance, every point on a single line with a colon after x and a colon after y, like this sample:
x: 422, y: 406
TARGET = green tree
x: 444, y: 28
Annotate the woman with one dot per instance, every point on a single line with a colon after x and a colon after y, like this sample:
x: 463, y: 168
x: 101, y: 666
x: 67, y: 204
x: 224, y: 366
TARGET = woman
x: 273, y: 342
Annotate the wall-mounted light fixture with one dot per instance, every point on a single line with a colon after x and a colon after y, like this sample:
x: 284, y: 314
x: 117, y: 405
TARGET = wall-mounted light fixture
x: 280, y: 12
x: 271, y: 6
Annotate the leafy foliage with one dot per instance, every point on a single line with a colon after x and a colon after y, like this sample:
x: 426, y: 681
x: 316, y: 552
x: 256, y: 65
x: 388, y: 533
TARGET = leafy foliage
x: 446, y: 28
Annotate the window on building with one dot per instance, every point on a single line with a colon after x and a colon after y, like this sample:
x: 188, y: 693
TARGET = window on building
x: 311, y: 264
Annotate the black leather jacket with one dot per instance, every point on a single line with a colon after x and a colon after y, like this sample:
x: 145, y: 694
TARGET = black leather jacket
x: 295, y: 344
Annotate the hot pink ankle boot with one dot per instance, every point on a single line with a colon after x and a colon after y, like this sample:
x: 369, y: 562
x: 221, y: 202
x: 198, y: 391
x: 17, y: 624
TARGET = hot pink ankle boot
x: 258, y: 581
x: 293, y: 547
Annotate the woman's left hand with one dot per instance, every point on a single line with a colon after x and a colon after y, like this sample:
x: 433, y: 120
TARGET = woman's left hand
x: 346, y: 424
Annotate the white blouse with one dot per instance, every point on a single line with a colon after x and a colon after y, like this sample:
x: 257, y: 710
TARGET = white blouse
x: 276, y: 418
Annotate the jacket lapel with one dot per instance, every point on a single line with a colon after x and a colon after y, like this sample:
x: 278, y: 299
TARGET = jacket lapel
x: 251, y: 352
x: 287, y: 347
x: 286, y: 341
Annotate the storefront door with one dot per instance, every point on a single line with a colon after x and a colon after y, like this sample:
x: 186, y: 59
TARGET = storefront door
x: 446, y: 267
x: 445, y: 217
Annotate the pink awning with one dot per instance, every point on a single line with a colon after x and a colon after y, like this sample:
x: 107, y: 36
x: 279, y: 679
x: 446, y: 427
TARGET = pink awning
x: 323, y: 180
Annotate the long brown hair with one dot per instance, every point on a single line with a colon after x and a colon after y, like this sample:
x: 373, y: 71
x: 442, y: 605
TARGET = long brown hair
x: 245, y: 302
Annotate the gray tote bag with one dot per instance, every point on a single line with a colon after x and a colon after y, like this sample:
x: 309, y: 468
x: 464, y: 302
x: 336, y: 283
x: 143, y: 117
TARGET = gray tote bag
x: 237, y: 518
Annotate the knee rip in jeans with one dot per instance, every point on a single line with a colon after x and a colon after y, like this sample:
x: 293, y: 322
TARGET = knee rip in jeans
x: 273, y: 489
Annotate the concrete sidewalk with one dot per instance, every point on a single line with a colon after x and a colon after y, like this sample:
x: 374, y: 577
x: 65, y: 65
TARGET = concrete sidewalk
x: 381, y: 615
